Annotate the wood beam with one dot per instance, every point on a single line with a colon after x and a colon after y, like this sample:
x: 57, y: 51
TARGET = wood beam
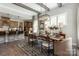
x: 26, y: 7
x: 44, y: 6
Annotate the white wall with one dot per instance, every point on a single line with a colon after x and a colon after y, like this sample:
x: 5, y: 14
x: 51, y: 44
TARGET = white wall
x: 78, y: 25
x: 71, y: 28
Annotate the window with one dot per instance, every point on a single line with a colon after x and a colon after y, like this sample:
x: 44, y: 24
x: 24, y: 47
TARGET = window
x: 58, y: 19
x: 62, y: 19
x: 53, y: 21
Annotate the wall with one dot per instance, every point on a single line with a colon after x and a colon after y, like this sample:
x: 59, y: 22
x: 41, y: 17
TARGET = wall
x: 71, y: 28
x: 78, y: 26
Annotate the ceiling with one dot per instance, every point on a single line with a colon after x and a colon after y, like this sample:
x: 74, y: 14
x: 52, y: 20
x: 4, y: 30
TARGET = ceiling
x: 25, y: 10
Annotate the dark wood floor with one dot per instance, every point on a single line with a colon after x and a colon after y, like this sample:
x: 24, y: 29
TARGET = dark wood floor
x: 11, y: 49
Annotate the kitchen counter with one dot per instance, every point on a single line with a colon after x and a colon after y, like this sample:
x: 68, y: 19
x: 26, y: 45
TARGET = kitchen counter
x: 2, y: 32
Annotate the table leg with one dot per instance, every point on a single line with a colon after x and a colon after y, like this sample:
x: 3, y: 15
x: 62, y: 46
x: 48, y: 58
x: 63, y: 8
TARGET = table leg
x: 48, y: 48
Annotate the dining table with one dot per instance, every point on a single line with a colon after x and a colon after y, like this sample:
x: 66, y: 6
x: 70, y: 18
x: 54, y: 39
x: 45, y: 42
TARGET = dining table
x: 48, y: 38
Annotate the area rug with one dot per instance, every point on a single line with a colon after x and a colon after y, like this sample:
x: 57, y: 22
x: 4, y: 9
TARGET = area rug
x: 32, y: 50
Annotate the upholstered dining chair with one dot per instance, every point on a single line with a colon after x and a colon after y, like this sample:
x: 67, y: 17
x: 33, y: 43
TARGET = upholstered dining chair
x: 64, y: 47
x: 31, y: 39
x: 46, y: 46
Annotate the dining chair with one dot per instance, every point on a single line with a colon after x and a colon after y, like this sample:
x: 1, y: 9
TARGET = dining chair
x: 63, y: 48
x: 46, y: 46
x: 31, y: 39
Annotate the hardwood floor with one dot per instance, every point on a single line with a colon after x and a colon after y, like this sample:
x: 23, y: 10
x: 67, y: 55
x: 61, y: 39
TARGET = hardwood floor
x: 11, y: 49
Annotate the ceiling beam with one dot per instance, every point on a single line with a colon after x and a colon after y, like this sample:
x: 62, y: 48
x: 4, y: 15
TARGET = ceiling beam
x: 59, y: 4
x: 44, y: 6
x: 26, y: 7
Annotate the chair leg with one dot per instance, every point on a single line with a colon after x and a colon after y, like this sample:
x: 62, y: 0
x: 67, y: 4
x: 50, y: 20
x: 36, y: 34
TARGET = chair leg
x: 48, y: 50
x: 28, y: 40
x: 32, y: 42
x: 41, y: 48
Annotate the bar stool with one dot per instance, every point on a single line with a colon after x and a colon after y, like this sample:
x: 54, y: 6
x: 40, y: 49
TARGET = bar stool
x: 2, y: 37
x: 6, y: 37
